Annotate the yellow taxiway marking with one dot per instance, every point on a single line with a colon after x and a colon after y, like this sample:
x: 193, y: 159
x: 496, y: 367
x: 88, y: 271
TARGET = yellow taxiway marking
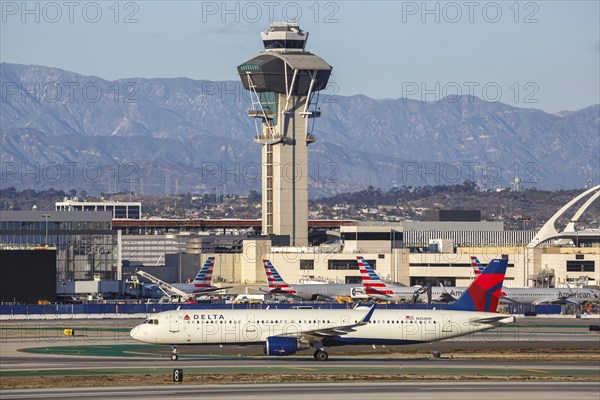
x: 537, y: 370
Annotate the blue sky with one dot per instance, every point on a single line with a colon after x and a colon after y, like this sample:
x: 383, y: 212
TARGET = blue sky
x: 534, y: 54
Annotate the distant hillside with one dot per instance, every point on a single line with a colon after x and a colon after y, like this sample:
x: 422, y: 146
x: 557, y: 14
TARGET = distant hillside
x: 155, y: 136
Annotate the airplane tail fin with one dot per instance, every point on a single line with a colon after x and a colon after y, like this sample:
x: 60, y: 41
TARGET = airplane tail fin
x: 477, y: 266
x: 371, y: 281
x: 204, y: 277
x: 368, y: 274
x: 276, y: 282
x: 484, y: 292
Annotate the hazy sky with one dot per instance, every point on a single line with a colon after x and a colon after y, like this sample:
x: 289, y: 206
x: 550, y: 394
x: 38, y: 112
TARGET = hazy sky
x: 536, y: 54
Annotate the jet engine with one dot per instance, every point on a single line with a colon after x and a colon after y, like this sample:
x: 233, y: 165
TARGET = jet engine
x: 358, y: 293
x: 283, y: 346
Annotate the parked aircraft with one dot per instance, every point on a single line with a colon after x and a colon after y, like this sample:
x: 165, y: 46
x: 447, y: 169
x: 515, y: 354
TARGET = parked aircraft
x: 377, y: 289
x: 314, y: 292
x: 184, y: 291
x: 537, y: 296
x: 287, y: 331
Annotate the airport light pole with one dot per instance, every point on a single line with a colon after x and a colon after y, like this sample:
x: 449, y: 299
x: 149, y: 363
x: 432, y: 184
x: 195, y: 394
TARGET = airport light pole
x: 46, y: 216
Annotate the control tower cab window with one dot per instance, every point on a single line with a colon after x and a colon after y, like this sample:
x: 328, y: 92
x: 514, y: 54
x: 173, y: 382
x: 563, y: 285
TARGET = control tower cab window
x: 284, y: 44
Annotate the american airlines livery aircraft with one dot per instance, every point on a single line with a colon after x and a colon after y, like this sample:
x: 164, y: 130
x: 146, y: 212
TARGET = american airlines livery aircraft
x: 378, y: 289
x: 284, y: 332
x: 201, y: 284
x: 537, y: 296
x: 314, y: 292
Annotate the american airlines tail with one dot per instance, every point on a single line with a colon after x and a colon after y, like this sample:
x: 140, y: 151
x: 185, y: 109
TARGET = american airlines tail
x: 371, y: 281
x: 477, y: 266
x: 484, y: 292
x: 276, y: 283
x: 204, y: 277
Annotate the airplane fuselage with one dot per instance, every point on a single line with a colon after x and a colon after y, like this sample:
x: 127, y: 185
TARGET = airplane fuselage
x: 391, y: 327
x: 324, y: 291
x: 549, y: 295
x: 509, y: 295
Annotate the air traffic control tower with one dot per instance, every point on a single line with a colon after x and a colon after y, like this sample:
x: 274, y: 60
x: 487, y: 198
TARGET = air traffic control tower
x: 284, y: 81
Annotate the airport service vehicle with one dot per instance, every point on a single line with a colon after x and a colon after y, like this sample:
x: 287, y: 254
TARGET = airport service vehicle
x: 285, y: 332
x: 309, y: 291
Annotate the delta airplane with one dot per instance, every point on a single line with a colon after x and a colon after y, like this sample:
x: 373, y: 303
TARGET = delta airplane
x: 537, y: 296
x: 285, y: 332
x: 310, y: 292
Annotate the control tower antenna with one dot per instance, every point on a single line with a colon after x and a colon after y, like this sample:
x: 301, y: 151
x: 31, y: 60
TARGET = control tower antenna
x: 284, y: 81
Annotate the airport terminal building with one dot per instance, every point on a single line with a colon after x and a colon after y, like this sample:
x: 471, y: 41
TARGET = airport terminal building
x: 86, y: 247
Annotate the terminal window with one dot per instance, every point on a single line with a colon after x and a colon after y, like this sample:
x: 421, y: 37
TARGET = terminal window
x: 347, y: 264
x: 581, y: 266
x: 307, y: 264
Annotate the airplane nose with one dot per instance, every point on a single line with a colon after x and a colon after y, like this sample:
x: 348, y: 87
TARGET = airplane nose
x: 134, y: 332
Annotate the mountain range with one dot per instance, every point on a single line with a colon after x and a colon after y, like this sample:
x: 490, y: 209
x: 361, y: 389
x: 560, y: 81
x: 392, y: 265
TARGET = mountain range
x: 164, y: 136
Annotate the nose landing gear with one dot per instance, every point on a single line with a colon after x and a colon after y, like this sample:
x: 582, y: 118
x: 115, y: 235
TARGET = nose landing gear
x: 174, y: 355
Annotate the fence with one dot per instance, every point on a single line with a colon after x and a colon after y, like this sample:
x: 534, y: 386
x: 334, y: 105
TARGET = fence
x: 146, y: 309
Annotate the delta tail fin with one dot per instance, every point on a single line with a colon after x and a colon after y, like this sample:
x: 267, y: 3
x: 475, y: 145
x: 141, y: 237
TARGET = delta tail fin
x: 204, y: 277
x: 484, y: 292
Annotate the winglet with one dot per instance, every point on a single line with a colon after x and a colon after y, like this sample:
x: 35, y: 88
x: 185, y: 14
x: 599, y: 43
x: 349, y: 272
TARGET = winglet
x: 368, y: 315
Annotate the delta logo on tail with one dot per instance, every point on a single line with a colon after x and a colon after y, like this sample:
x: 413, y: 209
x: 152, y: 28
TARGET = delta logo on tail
x: 478, y: 268
x: 371, y: 281
x: 484, y: 292
x: 204, y: 277
x: 276, y: 282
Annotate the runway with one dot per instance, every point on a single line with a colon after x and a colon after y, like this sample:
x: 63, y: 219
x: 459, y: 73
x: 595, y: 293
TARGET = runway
x: 383, y: 391
x: 533, y: 349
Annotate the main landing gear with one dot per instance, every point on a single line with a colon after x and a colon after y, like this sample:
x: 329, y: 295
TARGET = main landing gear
x: 174, y: 355
x: 321, y: 355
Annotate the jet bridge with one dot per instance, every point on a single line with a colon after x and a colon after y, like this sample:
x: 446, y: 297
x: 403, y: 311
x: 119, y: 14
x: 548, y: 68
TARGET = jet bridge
x: 167, y: 288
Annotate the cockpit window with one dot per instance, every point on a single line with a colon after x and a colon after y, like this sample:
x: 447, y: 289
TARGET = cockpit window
x: 151, y: 321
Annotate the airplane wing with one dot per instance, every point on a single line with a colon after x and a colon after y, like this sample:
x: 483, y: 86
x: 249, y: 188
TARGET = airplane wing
x: 280, y: 292
x: 316, y: 335
x: 371, y: 290
x: 509, y: 300
x: 491, y: 320
x: 554, y: 300
x: 446, y: 297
